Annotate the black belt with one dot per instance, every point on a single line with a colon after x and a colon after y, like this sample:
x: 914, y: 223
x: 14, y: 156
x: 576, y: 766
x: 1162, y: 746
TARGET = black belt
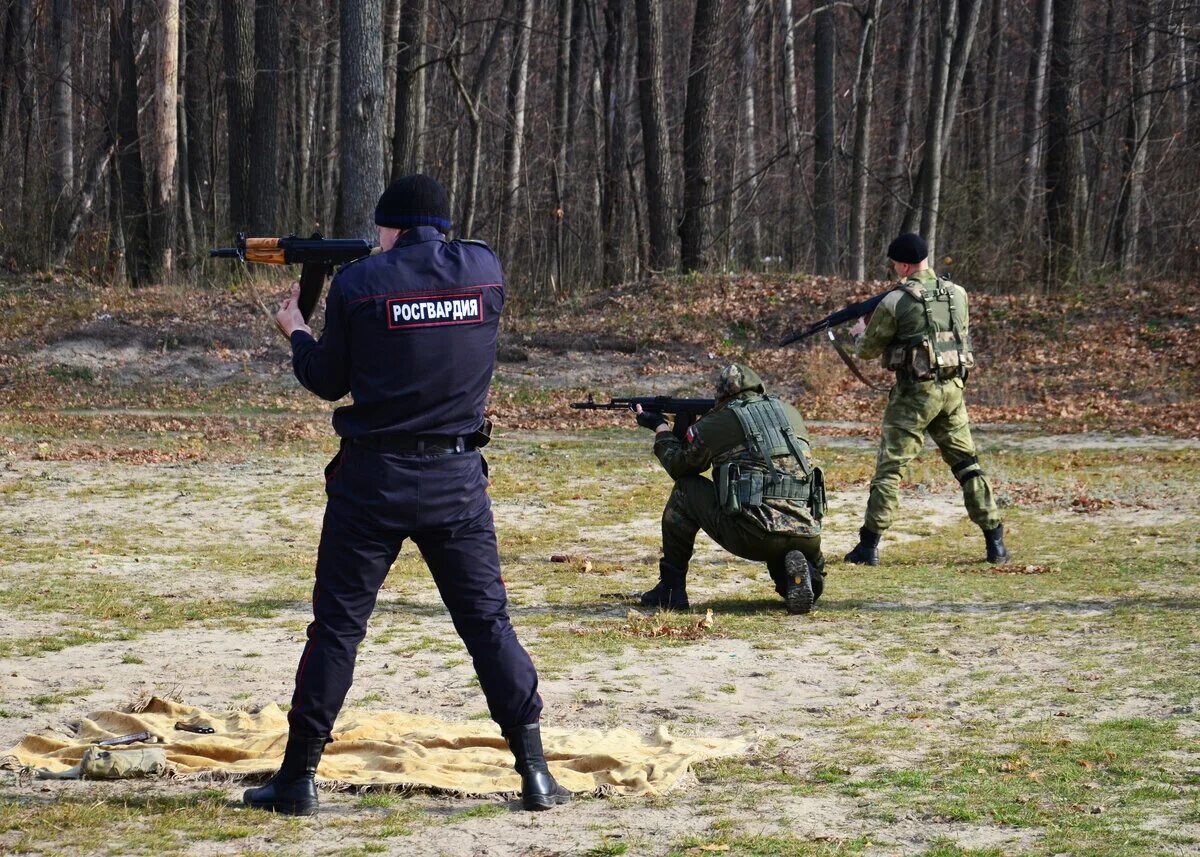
x: 412, y: 443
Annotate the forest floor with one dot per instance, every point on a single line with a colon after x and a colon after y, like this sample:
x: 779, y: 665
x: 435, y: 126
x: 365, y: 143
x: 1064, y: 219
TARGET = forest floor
x: 160, y: 496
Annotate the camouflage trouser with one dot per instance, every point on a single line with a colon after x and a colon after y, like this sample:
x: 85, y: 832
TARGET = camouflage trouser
x: 693, y: 506
x: 912, y: 410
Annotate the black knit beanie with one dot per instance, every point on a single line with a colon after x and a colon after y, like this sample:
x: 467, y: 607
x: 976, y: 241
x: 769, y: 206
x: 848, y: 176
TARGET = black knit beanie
x: 415, y: 200
x: 909, y: 248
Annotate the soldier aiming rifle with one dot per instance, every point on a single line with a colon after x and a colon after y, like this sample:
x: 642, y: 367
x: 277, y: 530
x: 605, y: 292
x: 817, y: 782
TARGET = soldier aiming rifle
x: 766, y: 497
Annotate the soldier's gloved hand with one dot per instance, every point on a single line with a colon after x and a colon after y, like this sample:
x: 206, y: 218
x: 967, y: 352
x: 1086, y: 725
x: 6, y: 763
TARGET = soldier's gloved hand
x: 650, y: 419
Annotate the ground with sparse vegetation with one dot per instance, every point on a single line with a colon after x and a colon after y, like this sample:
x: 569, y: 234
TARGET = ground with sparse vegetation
x: 160, y: 498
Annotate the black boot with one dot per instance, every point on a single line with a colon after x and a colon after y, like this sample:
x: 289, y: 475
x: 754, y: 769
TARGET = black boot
x: 799, y: 594
x: 293, y: 790
x: 997, y: 553
x: 866, y: 552
x: 816, y: 573
x: 671, y: 592
x: 538, y: 789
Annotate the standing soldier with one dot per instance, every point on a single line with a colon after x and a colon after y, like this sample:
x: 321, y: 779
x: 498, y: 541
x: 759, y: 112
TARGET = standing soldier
x: 764, y: 502
x: 921, y: 332
x: 410, y: 333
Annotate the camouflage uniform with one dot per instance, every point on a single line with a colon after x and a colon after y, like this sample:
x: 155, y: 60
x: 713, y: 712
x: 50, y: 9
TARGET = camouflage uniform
x: 764, y: 531
x: 914, y: 406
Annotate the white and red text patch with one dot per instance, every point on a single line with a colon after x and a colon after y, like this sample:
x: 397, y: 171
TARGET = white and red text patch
x: 435, y: 310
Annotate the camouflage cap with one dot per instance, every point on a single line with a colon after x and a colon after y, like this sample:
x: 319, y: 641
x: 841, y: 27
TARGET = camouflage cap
x: 736, y: 378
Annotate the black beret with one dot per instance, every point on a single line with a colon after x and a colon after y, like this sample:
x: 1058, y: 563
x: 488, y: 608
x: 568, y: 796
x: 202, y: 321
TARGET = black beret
x: 910, y: 248
x: 415, y: 200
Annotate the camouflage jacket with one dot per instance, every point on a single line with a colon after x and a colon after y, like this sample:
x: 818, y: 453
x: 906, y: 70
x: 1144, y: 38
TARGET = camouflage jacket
x: 718, y: 439
x: 900, y: 317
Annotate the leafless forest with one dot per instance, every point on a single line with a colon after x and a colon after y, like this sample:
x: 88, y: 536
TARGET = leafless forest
x: 1036, y: 142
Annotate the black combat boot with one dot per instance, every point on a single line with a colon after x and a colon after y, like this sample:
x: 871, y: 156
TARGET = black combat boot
x: 293, y: 790
x: 997, y: 553
x: 538, y: 789
x: 798, y: 584
x: 671, y: 592
x: 816, y: 573
x: 866, y: 552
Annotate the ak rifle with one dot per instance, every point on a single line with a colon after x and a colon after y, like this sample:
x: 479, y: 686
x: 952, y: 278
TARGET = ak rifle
x: 828, y: 323
x: 685, y: 411
x: 317, y: 257
x: 845, y: 314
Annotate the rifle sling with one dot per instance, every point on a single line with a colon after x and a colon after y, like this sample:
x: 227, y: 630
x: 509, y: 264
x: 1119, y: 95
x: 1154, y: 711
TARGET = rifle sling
x: 849, y: 361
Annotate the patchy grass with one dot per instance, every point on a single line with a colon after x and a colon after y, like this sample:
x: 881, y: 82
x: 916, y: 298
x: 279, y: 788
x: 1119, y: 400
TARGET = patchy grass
x: 924, y: 707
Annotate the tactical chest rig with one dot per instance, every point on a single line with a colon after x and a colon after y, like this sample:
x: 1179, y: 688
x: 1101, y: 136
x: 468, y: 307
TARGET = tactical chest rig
x: 768, y: 433
x: 936, y: 353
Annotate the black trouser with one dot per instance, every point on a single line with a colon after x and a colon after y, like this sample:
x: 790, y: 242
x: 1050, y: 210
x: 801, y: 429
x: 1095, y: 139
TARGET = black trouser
x: 376, y: 501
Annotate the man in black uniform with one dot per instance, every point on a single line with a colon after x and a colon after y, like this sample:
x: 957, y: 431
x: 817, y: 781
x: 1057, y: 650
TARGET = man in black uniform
x: 410, y: 333
x: 764, y: 502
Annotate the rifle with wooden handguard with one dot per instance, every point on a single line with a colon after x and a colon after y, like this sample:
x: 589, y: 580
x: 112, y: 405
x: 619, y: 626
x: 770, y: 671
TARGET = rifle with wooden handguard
x: 317, y: 257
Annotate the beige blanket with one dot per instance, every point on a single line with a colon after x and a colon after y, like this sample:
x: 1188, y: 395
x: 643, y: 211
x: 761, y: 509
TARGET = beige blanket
x: 388, y: 748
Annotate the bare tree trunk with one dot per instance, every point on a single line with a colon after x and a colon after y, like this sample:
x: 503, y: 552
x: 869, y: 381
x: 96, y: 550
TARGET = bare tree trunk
x: 901, y: 178
x: 392, y: 12
x: 748, y: 66
x: 198, y: 105
x: 1136, y: 142
x: 310, y: 83
x: 21, y: 18
x: 329, y: 155
x: 83, y: 202
x: 862, y: 145
x: 655, y: 140
x: 1183, y: 78
x: 409, y: 131
x: 825, y: 124
x: 8, y: 44
x: 698, y: 136
x: 791, y: 109
x: 472, y: 101
x: 792, y: 101
x: 514, y: 140
x: 166, y: 138
x: 1035, y: 91
x: 265, y: 159
x: 361, y: 115
x: 929, y: 185
x: 991, y: 97
x: 558, y: 176
x: 62, y: 31
x: 968, y: 24
x: 612, y: 188
x: 237, y: 19
x: 183, y: 186
x: 133, y: 180
x: 1062, y: 169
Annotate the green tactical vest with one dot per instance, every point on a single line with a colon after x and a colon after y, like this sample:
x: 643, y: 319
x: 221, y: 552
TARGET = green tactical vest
x: 932, y: 341
x: 754, y: 477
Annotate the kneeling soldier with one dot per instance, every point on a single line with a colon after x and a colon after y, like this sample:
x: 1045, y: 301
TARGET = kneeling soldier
x: 764, y: 502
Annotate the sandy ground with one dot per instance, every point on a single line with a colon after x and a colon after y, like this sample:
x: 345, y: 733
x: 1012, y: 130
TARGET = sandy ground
x: 817, y: 671
x: 821, y: 675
